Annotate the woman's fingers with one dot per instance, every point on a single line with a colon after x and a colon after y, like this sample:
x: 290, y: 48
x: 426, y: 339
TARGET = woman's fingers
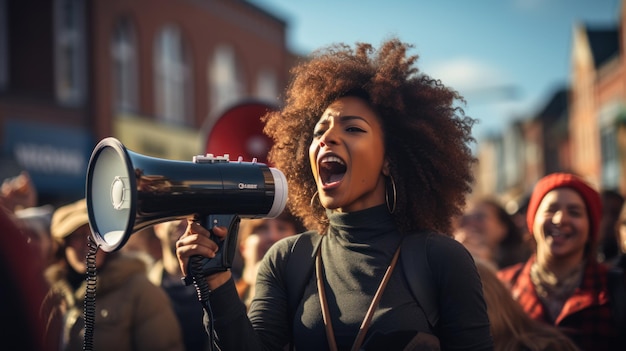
x: 196, y: 241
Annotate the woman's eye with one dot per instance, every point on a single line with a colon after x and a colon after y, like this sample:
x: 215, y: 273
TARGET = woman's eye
x: 318, y: 133
x: 354, y: 129
x: 550, y: 211
x: 576, y: 214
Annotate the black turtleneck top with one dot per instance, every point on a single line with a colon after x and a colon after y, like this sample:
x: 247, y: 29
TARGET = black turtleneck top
x: 356, y: 252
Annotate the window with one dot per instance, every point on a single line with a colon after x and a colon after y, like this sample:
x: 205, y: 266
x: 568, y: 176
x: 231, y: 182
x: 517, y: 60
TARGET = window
x: 70, y: 75
x: 172, y: 78
x: 513, y: 158
x: 124, y: 58
x: 267, y: 86
x: 609, y: 152
x: 225, y: 80
x: 610, y: 158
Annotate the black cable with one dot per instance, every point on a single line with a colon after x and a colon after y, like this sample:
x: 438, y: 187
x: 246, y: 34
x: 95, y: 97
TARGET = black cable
x: 201, y: 267
x: 203, y: 291
x: 90, y: 295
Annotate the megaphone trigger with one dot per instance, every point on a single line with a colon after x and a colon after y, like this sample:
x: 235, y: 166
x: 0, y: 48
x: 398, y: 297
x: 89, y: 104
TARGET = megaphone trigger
x: 223, y: 260
x: 199, y: 266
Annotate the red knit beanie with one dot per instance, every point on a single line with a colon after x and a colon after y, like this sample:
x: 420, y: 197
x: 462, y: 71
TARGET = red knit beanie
x: 560, y: 180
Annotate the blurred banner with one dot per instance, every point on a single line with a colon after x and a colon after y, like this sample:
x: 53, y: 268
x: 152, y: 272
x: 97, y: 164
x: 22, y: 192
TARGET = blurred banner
x: 55, y: 157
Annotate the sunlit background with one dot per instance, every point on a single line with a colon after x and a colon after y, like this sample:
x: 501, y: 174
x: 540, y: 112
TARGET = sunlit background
x: 546, y: 79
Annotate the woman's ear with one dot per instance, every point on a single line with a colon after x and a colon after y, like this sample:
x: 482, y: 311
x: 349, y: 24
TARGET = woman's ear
x: 386, y: 167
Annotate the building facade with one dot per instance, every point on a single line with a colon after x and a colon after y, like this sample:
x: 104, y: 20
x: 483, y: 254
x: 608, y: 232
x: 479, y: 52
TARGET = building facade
x: 598, y: 102
x: 581, y: 128
x: 156, y: 74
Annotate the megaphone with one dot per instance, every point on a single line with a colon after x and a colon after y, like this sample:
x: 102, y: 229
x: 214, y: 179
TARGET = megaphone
x: 127, y: 192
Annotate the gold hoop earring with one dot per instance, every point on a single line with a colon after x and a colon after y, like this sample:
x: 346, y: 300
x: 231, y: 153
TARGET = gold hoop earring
x: 391, y: 209
x: 316, y: 194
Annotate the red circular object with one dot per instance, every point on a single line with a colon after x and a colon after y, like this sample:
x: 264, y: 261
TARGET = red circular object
x: 239, y: 132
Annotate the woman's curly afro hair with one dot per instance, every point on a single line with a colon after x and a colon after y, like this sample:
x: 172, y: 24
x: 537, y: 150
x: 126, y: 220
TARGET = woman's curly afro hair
x: 427, y: 136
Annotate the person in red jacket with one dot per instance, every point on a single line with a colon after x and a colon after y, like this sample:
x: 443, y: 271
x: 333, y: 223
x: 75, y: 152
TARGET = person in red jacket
x: 563, y: 284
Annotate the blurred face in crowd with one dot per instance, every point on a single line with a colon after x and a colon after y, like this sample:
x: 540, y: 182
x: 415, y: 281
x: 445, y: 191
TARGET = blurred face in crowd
x: 561, y: 227
x: 76, y: 250
x: 265, y: 235
x: 347, y: 155
x: 169, y: 232
x: 482, y: 220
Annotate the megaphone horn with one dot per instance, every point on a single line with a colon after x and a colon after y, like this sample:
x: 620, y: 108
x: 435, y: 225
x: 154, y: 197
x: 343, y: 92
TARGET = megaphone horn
x: 127, y: 191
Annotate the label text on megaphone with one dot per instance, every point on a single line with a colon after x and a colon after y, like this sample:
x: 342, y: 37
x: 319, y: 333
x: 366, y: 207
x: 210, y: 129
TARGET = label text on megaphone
x: 247, y: 186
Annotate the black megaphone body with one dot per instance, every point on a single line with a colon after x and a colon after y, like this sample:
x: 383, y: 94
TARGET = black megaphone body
x: 127, y: 192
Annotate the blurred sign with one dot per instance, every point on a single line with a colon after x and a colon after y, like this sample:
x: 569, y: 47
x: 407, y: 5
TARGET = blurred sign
x: 55, y: 157
x: 152, y: 138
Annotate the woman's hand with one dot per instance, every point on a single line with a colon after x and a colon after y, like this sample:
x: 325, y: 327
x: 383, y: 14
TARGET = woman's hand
x: 196, y: 241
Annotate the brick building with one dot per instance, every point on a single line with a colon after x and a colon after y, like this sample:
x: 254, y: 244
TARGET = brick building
x: 581, y: 128
x: 598, y: 102
x: 156, y: 74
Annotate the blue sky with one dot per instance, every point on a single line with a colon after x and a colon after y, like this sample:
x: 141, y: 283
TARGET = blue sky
x: 505, y: 56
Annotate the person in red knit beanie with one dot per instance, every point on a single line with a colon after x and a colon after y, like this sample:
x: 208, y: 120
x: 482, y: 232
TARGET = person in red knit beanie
x: 562, y: 283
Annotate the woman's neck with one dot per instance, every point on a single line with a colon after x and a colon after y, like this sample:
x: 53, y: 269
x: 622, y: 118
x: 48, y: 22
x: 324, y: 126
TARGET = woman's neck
x: 560, y: 266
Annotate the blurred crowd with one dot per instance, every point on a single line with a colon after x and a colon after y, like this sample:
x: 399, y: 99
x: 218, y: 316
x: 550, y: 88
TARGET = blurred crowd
x: 533, y: 292
x: 141, y: 302
x: 560, y: 258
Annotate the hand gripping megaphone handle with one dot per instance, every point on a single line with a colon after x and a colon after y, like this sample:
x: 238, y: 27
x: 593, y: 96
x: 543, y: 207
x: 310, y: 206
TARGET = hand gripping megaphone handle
x: 201, y: 267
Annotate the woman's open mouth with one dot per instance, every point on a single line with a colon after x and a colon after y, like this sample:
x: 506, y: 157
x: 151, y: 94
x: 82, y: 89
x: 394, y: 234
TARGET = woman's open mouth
x: 331, y: 170
x: 559, y: 236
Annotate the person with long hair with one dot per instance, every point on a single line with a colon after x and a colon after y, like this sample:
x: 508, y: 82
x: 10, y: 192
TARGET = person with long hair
x: 512, y: 329
x: 377, y: 160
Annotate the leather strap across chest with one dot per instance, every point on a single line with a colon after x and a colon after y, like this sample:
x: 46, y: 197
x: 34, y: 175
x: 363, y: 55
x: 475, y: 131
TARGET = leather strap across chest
x: 319, y: 273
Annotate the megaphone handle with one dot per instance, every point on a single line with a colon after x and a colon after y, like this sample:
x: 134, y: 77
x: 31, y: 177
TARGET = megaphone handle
x: 200, y: 267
